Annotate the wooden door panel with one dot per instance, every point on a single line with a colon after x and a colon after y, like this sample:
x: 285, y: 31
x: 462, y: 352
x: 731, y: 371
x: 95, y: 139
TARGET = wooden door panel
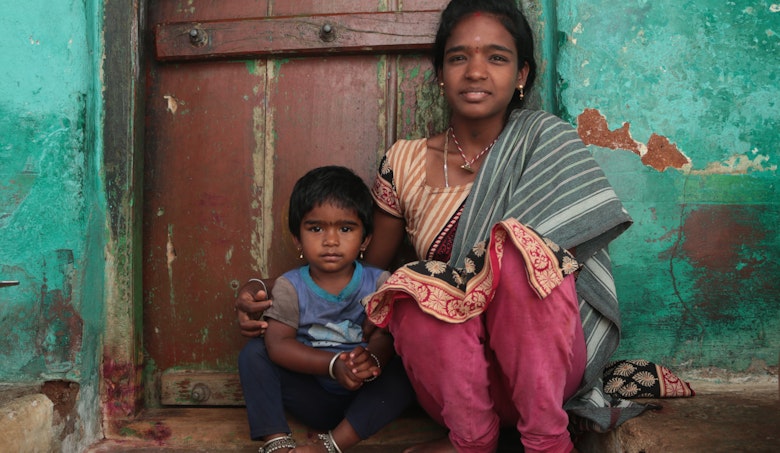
x: 324, y: 111
x: 225, y: 142
x: 161, y: 11
x: 198, y: 209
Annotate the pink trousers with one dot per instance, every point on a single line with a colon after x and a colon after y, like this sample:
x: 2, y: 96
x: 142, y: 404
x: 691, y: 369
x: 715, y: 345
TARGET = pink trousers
x: 514, y: 365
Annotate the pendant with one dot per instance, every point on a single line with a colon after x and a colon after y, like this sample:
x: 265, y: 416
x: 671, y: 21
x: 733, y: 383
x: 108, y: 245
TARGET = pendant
x: 467, y: 167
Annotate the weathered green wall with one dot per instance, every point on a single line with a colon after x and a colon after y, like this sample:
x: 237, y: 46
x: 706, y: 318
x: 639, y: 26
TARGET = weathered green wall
x: 697, y: 274
x: 678, y: 99
x: 52, y: 213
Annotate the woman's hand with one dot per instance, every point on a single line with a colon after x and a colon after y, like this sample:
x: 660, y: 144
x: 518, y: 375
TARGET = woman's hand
x: 251, y: 303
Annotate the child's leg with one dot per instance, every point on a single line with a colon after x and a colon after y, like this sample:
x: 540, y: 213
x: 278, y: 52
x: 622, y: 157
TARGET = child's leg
x: 375, y: 405
x: 261, y: 383
x: 269, y: 390
x: 379, y: 402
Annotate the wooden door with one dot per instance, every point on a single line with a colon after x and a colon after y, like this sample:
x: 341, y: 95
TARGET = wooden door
x: 243, y: 98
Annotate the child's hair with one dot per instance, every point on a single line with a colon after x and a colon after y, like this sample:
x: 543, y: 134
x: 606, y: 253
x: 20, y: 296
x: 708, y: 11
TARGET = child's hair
x: 511, y: 18
x: 331, y: 184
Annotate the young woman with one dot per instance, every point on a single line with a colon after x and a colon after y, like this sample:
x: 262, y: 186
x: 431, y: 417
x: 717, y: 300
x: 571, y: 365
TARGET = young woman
x: 498, y: 325
x: 315, y: 361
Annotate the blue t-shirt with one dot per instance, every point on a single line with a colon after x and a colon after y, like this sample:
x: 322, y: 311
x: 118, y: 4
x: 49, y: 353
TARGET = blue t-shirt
x: 323, y: 320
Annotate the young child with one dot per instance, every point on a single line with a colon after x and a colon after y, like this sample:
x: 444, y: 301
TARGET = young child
x: 313, y: 360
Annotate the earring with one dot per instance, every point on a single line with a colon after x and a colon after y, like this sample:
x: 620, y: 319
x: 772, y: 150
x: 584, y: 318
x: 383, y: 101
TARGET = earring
x: 521, y: 95
x: 300, y: 257
x: 361, y: 255
x: 441, y: 88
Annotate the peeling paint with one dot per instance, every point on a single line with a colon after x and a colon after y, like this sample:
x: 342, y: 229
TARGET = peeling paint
x: 60, y: 326
x: 737, y: 164
x: 662, y: 154
x: 262, y: 165
x: 659, y: 153
x: 173, y: 103
x: 229, y: 255
x: 170, y: 253
x: 170, y: 250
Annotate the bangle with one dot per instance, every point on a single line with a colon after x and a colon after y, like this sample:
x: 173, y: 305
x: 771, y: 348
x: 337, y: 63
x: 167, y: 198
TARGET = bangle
x: 330, y: 366
x: 378, y: 365
x: 258, y: 281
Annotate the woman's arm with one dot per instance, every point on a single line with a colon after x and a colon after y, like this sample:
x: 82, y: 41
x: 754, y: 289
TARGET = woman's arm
x: 388, y: 236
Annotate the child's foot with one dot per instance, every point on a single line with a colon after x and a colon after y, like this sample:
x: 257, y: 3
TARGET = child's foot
x: 442, y: 445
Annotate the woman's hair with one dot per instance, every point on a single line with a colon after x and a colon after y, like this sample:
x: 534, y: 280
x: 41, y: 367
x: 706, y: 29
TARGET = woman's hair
x: 331, y: 184
x: 510, y: 17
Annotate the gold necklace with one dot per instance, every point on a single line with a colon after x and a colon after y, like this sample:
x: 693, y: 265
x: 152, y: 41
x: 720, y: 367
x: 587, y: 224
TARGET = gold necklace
x: 466, y: 164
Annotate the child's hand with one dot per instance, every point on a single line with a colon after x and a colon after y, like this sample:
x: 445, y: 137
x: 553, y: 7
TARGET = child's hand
x: 363, y: 364
x: 344, y: 374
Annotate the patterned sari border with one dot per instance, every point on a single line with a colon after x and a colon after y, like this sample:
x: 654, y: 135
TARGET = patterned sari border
x: 457, y: 295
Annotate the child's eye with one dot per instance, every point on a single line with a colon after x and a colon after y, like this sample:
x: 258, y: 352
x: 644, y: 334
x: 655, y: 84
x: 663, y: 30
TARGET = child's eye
x: 346, y: 229
x: 315, y: 229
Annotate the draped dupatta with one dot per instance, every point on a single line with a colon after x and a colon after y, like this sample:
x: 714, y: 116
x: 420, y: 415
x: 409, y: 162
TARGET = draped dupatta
x: 540, y: 173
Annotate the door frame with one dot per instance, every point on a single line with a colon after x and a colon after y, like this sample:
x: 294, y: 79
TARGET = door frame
x: 121, y: 389
x: 126, y: 38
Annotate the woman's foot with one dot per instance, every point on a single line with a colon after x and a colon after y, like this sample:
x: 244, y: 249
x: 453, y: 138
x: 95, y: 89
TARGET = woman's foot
x: 442, y: 445
x: 310, y: 448
x: 278, y: 443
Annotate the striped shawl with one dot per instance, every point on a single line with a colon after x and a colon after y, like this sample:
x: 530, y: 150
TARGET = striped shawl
x: 540, y: 173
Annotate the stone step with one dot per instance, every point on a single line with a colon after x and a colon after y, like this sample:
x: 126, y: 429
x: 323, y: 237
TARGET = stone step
x: 26, y: 423
x: 729, y: 417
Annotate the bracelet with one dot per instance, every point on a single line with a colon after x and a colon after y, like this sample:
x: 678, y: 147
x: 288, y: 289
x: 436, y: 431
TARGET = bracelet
x: 378, y: 365
x: 330, y: 366
x: 277, y: 443
x: 329, y: 442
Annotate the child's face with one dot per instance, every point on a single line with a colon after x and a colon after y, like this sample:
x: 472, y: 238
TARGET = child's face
x: 331, y: 238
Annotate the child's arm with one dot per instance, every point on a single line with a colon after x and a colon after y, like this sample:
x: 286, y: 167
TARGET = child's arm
x: 286, y: 351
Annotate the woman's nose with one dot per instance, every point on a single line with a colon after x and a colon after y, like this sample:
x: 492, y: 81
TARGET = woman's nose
x: 476, y: 68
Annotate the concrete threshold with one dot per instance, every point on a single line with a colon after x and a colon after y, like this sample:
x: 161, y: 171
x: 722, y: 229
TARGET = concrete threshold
x: 26, y: 423
x: 722, y: 417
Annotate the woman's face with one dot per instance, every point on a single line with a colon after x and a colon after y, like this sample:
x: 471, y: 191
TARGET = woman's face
x: 480, y: 68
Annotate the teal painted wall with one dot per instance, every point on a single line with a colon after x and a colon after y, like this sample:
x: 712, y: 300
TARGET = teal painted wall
x: 52, y: 212
x: 696, y: 274
x: 678, y: 99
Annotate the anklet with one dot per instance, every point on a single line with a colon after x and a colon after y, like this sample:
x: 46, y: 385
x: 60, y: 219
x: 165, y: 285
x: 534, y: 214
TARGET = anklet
x: 277, y: 443
x: 329, y: 442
